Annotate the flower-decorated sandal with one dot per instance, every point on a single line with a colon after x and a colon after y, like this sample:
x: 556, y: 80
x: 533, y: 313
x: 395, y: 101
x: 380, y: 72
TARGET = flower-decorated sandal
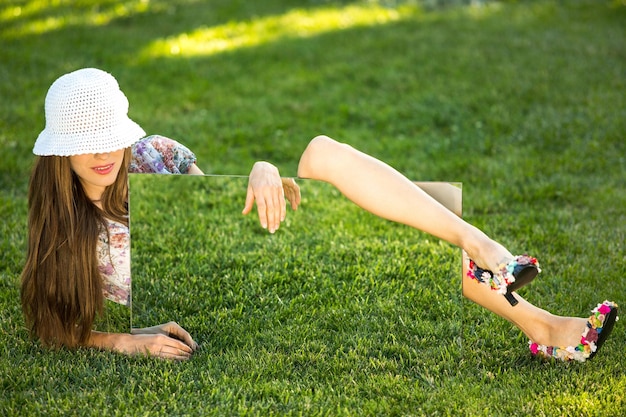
x: 599, y: 326
x: 509, y: 277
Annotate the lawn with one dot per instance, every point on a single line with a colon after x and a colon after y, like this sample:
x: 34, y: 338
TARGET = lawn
x: 338, y: 313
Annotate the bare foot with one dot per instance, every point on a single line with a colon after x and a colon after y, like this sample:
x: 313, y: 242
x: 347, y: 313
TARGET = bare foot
x: 559, y: 332
x: 486, y: 252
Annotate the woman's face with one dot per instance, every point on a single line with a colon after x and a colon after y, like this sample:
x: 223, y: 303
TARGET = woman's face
x: 97, y: 171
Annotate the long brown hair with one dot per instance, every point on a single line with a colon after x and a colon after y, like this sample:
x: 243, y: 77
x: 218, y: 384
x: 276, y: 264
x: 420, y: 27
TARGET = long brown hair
x: 61, y: 287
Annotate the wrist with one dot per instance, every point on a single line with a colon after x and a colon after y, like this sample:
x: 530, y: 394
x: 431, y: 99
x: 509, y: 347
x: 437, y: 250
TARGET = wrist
x: 264, y: 166
x: 107, y: 341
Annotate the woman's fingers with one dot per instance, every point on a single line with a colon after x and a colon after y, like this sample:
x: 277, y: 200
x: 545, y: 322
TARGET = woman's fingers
x: 249, y: 201
x: 162, y: 346
x: 270, y: 203
x: 266, y: 187
x: 292, y: 192
x: 167, y: 341
x: 272, y: 208
x: 174, y: 330
x: 173, y: 349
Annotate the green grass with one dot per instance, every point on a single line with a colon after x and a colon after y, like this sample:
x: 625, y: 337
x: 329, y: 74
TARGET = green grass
x: 523, y: 102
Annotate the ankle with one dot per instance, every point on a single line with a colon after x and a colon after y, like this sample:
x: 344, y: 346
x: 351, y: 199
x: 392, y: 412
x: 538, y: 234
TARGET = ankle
x: 486, y: 252
x: 542, y: 329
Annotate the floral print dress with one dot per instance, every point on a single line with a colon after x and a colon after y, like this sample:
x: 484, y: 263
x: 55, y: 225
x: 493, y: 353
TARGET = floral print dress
x: 154, y: 155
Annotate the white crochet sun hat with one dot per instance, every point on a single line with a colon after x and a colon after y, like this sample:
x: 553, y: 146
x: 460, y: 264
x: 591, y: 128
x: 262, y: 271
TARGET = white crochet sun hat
x: 86, y: 112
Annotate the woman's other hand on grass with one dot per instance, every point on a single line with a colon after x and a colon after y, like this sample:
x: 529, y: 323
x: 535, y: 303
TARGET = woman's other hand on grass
x: 166, y: 341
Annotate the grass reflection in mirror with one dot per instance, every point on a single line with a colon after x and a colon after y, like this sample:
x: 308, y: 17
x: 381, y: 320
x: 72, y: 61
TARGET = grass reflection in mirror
x: 335, y: 293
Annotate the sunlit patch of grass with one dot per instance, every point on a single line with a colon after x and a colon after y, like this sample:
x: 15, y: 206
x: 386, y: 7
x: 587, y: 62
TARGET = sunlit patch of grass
x: 296, y: 23
x: 39, y: 17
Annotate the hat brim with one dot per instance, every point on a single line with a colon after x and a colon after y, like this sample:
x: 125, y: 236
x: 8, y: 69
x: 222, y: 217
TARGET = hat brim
x: 124, y: 135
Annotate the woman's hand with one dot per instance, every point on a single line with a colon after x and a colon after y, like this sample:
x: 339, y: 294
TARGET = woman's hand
x: 269, y: 190
x: 172, y: 330
x: 291, y: 191
x: 166, y: 341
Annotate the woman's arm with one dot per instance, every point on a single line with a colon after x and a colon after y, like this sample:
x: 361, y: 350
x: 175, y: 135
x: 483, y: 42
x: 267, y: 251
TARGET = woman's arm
x: 166, y: 341
x: 194, y: 170
x: 160, y: 155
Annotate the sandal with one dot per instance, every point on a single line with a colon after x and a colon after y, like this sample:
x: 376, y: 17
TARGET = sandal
x: 599, y: 326
x: 510, y: 277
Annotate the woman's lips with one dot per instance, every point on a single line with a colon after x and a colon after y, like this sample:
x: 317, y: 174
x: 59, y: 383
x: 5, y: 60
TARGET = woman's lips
x: 103, y: 169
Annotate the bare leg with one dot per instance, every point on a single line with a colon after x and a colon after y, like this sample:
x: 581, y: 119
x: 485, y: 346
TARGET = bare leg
x: 539, y: 325
x: 194, y: 170
x: 383, y: 191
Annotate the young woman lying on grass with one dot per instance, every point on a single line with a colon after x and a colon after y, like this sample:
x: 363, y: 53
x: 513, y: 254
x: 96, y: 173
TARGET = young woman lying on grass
x: 78, y: 235
x: 383, y: 191
x: 78, y: 243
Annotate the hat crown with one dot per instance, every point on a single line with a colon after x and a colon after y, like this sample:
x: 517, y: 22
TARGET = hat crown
x: 86, y: 112
x: 85, y: 101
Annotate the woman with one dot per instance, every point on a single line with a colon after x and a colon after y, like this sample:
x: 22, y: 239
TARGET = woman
x: 78, y: 244
x: 383, y: 191
x: 83, y: 191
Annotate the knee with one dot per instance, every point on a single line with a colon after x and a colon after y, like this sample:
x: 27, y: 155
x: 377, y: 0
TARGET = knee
x: 316, y: 156
x: 321, y: 145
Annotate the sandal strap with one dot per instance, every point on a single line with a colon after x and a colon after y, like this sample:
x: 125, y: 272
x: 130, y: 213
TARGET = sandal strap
x: 504, y: 276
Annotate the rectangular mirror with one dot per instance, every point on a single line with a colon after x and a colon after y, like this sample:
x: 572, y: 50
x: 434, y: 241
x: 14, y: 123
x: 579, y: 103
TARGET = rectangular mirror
x: 115, y: 318
x: 333, y: 278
